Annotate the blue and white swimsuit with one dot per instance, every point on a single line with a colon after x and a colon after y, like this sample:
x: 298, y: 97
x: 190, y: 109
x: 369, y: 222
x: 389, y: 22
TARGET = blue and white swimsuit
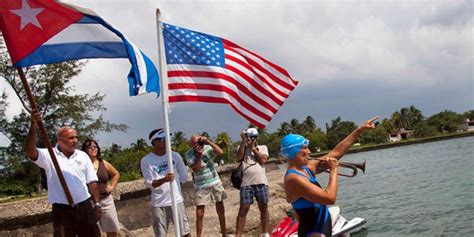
x: 313, y: 217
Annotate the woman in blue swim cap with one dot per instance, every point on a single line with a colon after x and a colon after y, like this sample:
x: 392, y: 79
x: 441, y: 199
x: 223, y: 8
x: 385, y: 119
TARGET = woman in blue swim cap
x: 303, y: 191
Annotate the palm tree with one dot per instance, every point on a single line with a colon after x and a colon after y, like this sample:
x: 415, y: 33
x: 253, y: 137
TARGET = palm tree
x: 224, y: 141
x: 178, y: 139
x: 415, y: 117
x: 309, y: 124
x: 139, y: 145
x: 285, y: 128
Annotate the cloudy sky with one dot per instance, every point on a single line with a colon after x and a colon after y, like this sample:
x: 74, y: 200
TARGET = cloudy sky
x: 353, y: 59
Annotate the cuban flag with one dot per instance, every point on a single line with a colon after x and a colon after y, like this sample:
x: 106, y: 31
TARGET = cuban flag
x: 47, y: 31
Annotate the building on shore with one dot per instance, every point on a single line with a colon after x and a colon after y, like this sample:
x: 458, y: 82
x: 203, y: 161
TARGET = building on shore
x: 467, y: 126
x: 402, y: 134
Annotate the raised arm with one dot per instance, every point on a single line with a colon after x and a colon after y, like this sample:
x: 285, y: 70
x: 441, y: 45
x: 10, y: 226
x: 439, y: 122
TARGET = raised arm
x: 30, y: 141
x: 217, y: 150
x: 243, y: 145
x: 261, y: 155
x: 342, y: 147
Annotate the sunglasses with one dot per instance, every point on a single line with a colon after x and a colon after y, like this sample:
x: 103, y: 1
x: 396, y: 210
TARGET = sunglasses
x: 161, y: 139
x: 92, y: 147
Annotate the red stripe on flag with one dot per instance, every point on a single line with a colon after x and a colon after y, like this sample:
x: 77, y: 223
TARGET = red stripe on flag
x: 247, y: 78
x: 276, y: 67
x: 209, y: 99
x: 250, y: 62
x: 223, y: 89
x: 229, y: 79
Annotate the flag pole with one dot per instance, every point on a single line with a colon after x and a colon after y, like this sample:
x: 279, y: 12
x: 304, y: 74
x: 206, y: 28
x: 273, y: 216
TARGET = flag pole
x: 44, y: 135
x: 165, y: 102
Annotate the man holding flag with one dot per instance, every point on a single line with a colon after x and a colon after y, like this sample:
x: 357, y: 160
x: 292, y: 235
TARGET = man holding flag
x: 46, y: 31
x: 68, y: 220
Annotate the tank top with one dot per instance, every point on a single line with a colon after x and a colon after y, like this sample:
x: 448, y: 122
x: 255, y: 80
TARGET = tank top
x: 313, y: 217
x: 103, y: 177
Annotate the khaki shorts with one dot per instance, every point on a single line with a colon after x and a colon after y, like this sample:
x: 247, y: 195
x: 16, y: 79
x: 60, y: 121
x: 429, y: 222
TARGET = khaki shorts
x: 162, y: 216
x: 205, y: 196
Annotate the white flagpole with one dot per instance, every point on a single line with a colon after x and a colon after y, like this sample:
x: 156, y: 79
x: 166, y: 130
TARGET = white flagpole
x: 164, y: 97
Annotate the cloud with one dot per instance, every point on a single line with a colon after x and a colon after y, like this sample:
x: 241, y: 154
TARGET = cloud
x: 353, y: 59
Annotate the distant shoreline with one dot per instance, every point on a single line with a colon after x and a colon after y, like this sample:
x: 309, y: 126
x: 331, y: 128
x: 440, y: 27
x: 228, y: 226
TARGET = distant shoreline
x: 402, y: 143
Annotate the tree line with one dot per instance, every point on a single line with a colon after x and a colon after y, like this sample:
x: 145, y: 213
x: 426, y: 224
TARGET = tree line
x: 59, y: 105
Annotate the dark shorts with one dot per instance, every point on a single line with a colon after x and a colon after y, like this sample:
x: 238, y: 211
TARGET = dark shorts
x: 259, y: 191
x: 75, y: 221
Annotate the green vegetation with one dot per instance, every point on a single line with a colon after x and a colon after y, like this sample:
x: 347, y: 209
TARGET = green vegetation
x: 59, y: 106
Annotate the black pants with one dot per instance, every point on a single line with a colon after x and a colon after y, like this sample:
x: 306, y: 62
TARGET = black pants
x: 75, y: 221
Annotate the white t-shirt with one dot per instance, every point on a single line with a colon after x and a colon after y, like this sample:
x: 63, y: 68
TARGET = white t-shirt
x: 77, y: 171
x: 254, y: 172
x: 156, y: 167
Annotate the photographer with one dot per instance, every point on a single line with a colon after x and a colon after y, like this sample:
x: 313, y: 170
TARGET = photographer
x: 254, y: 180
x: 207, y: 183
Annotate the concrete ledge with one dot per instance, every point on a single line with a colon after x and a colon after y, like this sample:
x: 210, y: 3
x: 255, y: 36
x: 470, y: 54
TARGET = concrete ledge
x: 132, y: 199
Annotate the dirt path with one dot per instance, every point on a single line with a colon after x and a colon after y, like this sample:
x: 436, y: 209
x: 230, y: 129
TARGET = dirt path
x: 277, y: 208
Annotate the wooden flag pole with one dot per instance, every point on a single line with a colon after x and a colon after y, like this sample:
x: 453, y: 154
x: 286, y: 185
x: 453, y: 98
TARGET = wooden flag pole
x: 44, y: 135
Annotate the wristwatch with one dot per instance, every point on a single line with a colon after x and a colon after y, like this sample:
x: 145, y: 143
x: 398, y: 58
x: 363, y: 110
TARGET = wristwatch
x: 97, y: 204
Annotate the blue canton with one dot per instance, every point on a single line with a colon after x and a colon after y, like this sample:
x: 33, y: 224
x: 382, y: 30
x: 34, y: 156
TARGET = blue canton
x: 185, y: 46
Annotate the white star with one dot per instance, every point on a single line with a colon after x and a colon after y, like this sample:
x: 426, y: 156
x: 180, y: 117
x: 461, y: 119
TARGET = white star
x: 28, y: 14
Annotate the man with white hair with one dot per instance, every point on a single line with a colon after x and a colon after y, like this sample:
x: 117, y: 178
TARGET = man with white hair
x: 80, y: 218
x: 157, y: 177
x: 254, y: 181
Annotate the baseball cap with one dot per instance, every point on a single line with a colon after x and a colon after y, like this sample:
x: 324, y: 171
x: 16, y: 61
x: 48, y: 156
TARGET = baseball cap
x: 252, y: 132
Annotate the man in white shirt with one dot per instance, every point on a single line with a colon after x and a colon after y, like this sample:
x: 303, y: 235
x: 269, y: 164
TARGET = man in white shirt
x: 254, y: 181
x: 155, y: 171
x: 79, y: 219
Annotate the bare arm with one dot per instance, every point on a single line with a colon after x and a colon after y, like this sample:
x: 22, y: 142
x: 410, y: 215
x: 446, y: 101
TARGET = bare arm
x: 158, y: 182
x: 261, y: 157
x: 217, y: 150
x: 196, y: 167
x: 299, y: 187
x: 30, y: 141
x: 94, y: 190
x: 342, y: 147
x: 241, y: 150
x: 114, y: 176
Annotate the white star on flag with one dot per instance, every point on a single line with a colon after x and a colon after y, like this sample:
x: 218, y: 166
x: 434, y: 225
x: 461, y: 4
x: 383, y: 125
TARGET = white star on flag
x: 28, y: 14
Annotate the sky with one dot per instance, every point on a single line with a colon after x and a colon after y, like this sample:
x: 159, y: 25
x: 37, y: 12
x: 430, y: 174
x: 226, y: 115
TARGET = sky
x: 354, y: 59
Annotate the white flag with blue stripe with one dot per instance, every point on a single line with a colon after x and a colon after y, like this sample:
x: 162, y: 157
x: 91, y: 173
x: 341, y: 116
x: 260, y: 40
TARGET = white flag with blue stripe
x: 44, y: 31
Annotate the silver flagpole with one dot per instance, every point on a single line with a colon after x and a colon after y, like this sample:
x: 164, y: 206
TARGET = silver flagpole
x: 164, y: 97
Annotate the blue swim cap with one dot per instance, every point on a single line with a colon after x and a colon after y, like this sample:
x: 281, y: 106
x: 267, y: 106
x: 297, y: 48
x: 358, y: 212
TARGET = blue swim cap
x: 291, y: 144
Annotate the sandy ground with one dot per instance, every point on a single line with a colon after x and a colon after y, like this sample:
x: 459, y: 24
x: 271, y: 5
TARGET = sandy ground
x: 277, y: 208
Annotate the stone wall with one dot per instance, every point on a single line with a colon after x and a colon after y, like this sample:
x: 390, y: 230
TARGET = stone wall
x: 132, y: 199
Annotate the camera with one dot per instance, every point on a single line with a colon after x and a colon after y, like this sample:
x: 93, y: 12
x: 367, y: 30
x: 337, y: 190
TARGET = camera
x: 200, y: 142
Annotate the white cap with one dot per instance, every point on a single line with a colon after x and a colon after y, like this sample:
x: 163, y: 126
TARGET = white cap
x: 252, y: 132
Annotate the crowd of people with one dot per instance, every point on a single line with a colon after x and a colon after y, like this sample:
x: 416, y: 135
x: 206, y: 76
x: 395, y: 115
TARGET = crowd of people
x: 91, y: 180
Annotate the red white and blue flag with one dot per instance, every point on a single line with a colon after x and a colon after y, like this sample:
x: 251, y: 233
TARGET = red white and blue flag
x: 47, y: 31
x: 206, y: 68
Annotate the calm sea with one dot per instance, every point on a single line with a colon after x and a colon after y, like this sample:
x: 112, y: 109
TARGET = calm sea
x: 417, y: 190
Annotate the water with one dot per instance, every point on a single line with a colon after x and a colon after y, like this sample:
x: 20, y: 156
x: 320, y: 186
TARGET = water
x: 417, y: 190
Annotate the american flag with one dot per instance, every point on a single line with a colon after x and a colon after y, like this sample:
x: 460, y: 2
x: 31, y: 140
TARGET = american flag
x: 206, y: 68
